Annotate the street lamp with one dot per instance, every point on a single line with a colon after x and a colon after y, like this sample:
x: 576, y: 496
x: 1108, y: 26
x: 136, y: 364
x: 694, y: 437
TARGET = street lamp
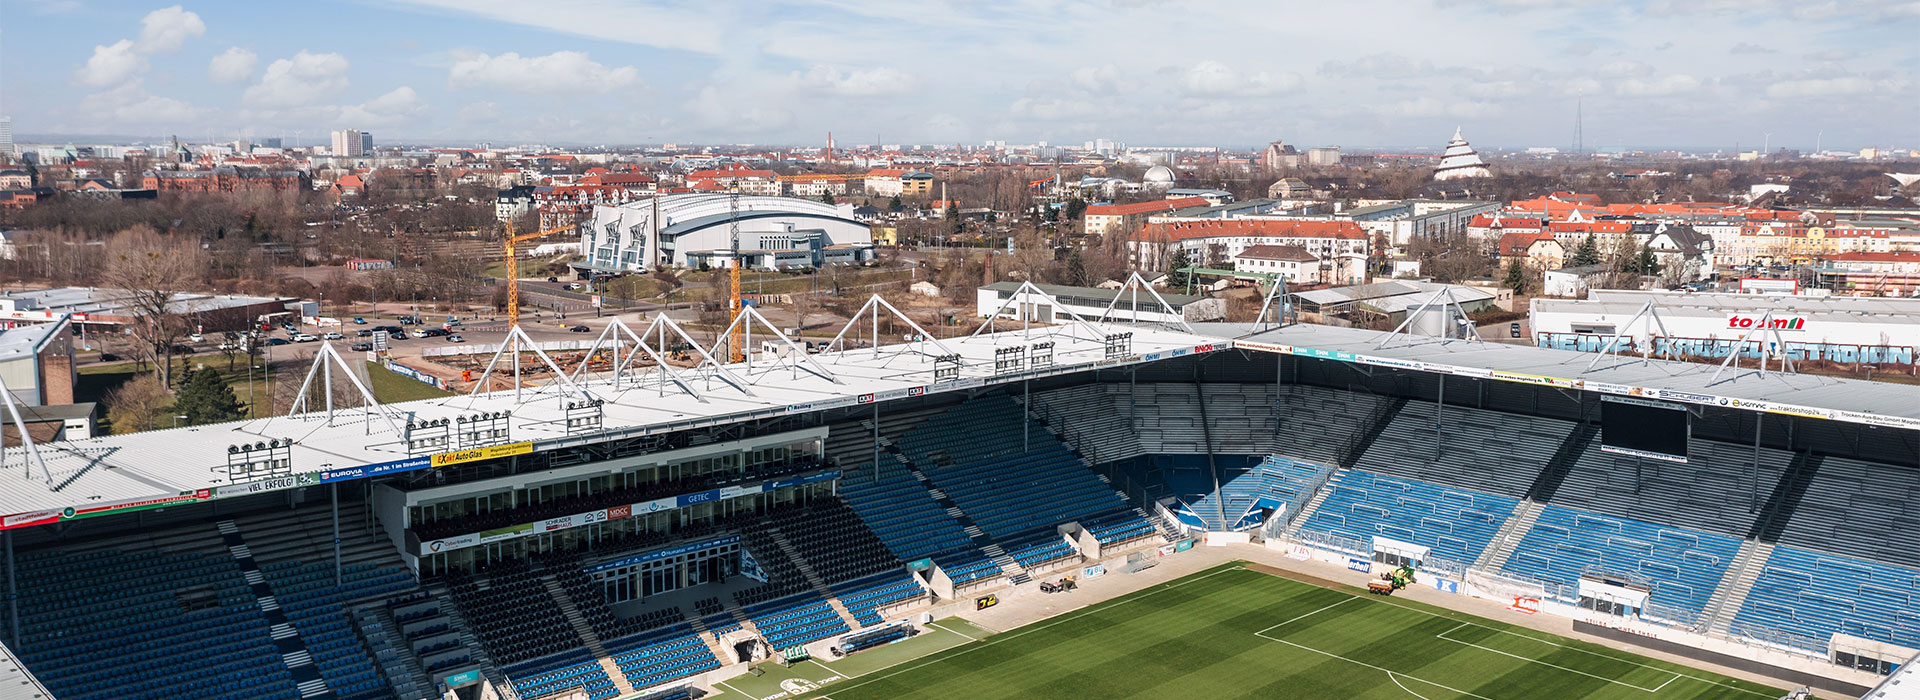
x: 176, y: 420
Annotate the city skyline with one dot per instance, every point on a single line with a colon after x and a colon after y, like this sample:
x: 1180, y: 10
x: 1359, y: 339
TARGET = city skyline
x: 1648, y: 75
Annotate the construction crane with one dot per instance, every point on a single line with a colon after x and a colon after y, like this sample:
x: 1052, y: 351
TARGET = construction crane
x: 513, y: 267
x: 735, y: 339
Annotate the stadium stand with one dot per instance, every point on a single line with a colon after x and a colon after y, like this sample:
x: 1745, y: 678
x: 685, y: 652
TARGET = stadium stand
x: 173, y: 603
x: 1878, y: 524
x: 1455, y: 523
x: 1681, y: 566
x: 663, y: 656
x: 1816, y: 595
x: 974, y: 454
x: 865, y: 597
x: 1707, y: 493
x: 1095, y: 419
x: 1283, y: 480
x: 1455, y: 454
x: 796, y: 620
x: 1308, y: 422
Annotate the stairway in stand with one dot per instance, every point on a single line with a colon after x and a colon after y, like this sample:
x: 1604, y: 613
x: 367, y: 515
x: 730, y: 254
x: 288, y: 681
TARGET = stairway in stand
x: 471, y: 642
x: 1312, y: 504
x: 707, y: 636
x: 813, y: 577
x: 1734, y: 587
x: 286, y: 639
x: 1508, y: 538
x: 580, y: 627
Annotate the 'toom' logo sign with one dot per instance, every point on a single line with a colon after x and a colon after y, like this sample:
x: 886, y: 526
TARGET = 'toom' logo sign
x: 1742, y: 322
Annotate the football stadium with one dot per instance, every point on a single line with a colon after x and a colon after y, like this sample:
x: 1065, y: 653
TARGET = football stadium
x: 1081, y: 509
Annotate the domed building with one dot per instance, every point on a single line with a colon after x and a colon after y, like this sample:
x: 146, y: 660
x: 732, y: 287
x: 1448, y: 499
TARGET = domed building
x: 1158, y: 176
x: 1460, y: 161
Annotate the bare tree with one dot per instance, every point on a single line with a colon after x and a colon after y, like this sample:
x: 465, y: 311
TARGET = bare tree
x: 147, y: 271
x: 135, y: 405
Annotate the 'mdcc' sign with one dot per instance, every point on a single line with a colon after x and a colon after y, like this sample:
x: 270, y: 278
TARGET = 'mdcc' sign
x: 1744, y: 322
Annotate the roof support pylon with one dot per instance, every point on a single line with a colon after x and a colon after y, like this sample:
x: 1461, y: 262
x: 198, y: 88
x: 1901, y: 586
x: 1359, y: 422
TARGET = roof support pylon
x: 324, y: 362
x: 795, y: 358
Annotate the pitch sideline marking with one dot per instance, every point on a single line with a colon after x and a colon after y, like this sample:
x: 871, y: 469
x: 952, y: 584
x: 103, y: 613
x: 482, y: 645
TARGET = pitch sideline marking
x: 1075, y: 613
x: 739, y: 691
x: 1390, y: 673
x: 1677, y: 674
x: 1443, y: 635
x: 937, y: 625
x: 1395, y: 677
x: 1298, y: 618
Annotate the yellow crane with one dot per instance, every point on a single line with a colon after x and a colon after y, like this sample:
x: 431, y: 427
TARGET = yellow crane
x: 513, y: 267
x: 735, y: 339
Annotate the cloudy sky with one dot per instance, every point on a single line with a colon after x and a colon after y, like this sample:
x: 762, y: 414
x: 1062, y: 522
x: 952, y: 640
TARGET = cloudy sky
x: 1356, y: 73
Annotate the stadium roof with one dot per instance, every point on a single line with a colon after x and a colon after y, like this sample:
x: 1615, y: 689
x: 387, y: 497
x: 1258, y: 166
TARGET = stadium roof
x: 16, y: 682
x: 157, y: 468
x: 1807, y: 395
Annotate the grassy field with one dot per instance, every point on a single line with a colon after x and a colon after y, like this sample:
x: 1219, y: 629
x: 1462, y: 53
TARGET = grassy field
x: 1231, y: 632
x: 389, y: 387
x: 95, y: 381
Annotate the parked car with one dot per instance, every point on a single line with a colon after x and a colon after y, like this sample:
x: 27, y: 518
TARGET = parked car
x: 109, y: 357
x: 358, y: 321
x: 435, y: 332
x: 420, y: 332
x: 409, y: 320
x: 362, y: 347
x: 455, y: 338
x: 553, y: 279
x: 278, y: 341
x: 197, y: 337
x: 578, y: 329
x: 332, y: 335
x: 364, y: 333
x: 1514, y: 329
x: 569, y: 286
x: 397, y: 335
x: 387, y: 329
x: 305, y: 338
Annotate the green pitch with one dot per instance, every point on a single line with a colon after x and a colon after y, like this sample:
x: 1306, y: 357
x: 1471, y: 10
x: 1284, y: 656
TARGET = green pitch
x: 1235, y: 633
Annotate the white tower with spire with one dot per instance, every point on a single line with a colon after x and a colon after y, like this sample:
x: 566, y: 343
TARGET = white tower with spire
x: 1460, y: 161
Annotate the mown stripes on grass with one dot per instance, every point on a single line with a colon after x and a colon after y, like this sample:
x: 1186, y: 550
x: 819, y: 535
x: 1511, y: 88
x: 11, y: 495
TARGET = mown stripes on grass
x: 1234, y: 633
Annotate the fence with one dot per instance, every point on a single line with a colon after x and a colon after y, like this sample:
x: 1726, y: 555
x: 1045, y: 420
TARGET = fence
x: 489, y: 349
x: 415, y: 374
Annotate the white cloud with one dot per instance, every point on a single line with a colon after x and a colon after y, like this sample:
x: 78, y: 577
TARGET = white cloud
x: 235, y: 65
x: 302, y: 80
x: 1216, y: 79
x: 856, y: 82
x: 478, y: 112
x: 1625, y: 69
x: 1053, y: 109
x: 398, y: 105
x: 1102, y: 80
x: 129, y: 103
x: 1819, y: 87
x: 1749, y: 48
x: 166, y: 29
x: 112, y: 64
x: 1661, y: 87
x: 558, y: 72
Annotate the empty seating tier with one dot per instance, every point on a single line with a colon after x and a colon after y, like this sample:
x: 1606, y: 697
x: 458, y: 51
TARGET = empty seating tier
x: 789, y: 624
x: 898, y: 509
x: 1281, y: 480
x: 1710, y: 492
x: 1455, y: 524
x: 1859, y: 509
x: 1459, y: 453
x: 665, y: 656
x: 1816, y: 595
x: 186, y: 620
x: 1681, y: 566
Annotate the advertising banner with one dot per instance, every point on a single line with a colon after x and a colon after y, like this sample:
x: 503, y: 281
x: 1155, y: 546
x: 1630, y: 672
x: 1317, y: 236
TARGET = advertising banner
x: 1446, y: 585
x: 1095, y: 571
x: 1360, y: 565
x: 1525, y: 606
x: 489, y: 452
x: 645, y: 557
x: 986, y: 601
